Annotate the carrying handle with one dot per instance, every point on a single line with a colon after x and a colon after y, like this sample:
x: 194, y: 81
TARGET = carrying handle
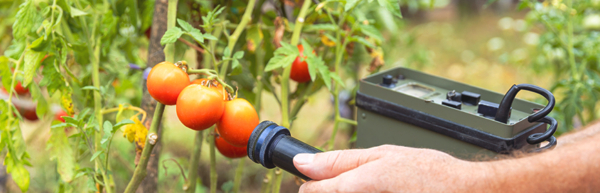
x: 504, y: 108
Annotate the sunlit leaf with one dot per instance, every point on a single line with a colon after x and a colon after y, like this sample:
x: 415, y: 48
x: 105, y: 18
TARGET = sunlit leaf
x: 96, y: 155
x: 284, y: 56
x: 197, y: 35
x: 61, y: 151
x: 350, y: 4
x: 171, y: 36
x: 392, y: 6
x: 185, y: 25
x: 25, y: 19
x: 32, y: 63
x: 76, y: 12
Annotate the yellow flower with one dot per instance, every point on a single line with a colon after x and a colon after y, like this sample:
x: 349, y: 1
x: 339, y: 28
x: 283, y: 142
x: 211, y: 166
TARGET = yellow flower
x: 327, y: 41
x: 135, y: 132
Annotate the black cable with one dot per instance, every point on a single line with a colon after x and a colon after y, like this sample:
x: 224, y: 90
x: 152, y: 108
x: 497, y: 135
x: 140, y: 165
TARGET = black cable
x: 539, y: 137
x: 503, y: 112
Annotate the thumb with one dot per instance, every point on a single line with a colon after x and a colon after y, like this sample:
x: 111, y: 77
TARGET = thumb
x: 331, y: 164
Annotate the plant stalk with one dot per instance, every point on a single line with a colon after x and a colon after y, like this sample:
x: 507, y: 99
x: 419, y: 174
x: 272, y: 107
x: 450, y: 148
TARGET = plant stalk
x: 171, y: 20
x: 213, y: 161
x: 246, y: 18
x: 285, y: 83
x: 574, y: 71
x: 278, y: 179
x: 141, y: 170
x: 239, y: 174
x: 339, y: 53
x: 190, y: 184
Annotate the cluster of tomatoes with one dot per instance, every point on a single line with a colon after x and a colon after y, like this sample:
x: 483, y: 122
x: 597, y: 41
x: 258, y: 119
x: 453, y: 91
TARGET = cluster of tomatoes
x: 203, y: 103
x: 26, y: 108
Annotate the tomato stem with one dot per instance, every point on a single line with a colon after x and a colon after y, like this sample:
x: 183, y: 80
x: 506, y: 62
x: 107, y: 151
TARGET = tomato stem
x: 285, y: 83
x: 190, y: 184
x: 576, y: 75
x: 278, y: 179
x: 267, y: 182
x: 339, y: 53
x: 171, y: 19
x: 213, y: 162
x: 239, y: 173
x: 141, y: 170
x: 246, y: 18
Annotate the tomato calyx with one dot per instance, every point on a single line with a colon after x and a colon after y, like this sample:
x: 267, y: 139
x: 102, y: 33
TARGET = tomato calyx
x: 182, y: 65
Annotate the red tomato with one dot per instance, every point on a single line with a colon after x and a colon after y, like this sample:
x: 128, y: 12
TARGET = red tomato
x: 199, y: 107
x: 20, y: 90
x: 228, y: 150
x: 28, y: 114
x: 300, y: 68
x: 238, y: 122
x: 165, y: 82
x: 58, y: 116
x: 148, y: 32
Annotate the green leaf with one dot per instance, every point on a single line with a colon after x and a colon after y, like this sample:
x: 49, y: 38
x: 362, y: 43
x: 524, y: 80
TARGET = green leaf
x: 318, y: 27
x: 62, y: 152
x: 42, y: 105
x: 362, y: 41
x: 91, y: 184
x: 19, y: 174
x: 324, y: 71
x: 210, y: 37
x: 39, y: 44
x: 226, y: 53
x: 15, y: 49
x: 284, y: 56
x: 32, y: 63
x: 122, y: 123
x: 236, y: 68
x: 350, y: 4
x: 90, y: 88
x: 96, y: 155
x: 108, y: 131
x: 197, y: 35
x: 312, y: 60
x: 238, y: 55
x: 371, y: 31
x: 76, y: 12
x: 337, y: 79
x: 25, y: 19
x: 171, y: 36
x: 392, y: 6
x: 185, y: 25
x: 60, y: 125
x: 255, y: 35
x: 227, y: 186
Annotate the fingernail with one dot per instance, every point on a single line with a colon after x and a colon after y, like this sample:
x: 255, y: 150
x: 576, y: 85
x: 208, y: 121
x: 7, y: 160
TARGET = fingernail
x: 304, y: 158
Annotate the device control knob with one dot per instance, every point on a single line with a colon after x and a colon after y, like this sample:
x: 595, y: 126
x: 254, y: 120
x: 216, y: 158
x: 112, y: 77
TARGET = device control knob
x: 388, y: 81
x: 454, y: 96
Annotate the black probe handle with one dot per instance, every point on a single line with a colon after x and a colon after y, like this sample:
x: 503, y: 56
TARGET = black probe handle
x: 285, y: 150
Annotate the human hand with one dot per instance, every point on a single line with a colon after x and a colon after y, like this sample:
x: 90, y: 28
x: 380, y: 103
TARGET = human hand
x: 387, y: 168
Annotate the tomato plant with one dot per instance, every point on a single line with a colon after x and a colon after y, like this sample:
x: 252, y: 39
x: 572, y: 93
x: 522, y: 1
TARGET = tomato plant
x: 237, y: 122
x: 87, y: 58
x: 165, y: 81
